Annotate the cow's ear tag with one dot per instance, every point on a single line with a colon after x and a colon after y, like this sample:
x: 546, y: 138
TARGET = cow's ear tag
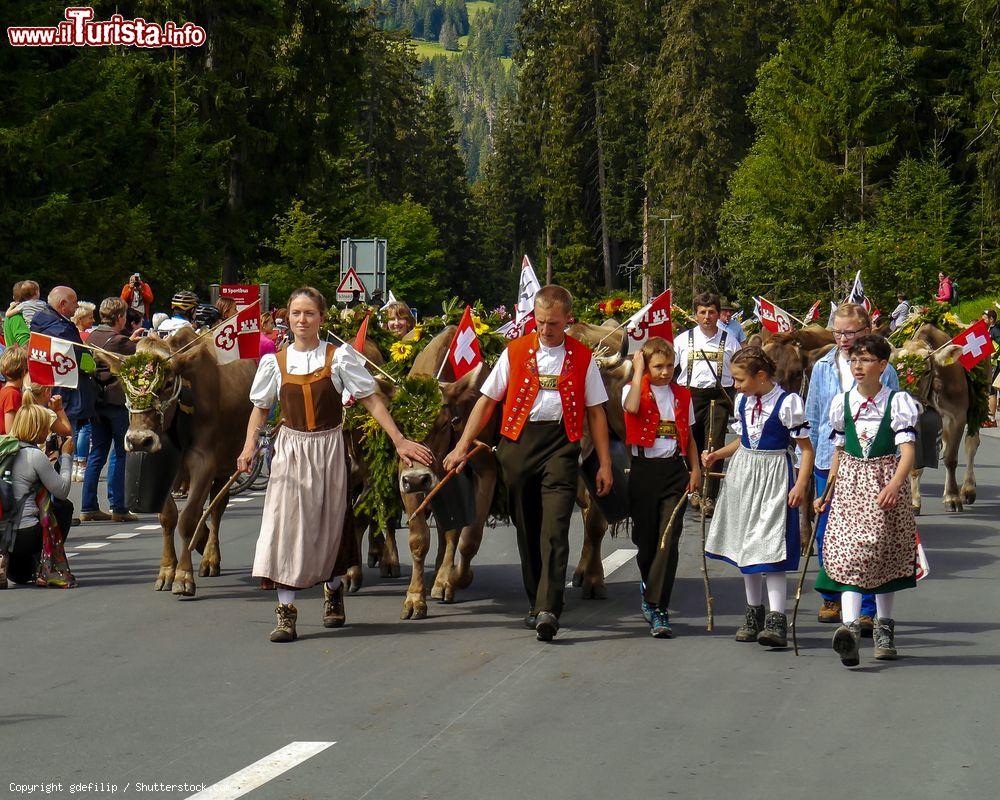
x: 950, y: 360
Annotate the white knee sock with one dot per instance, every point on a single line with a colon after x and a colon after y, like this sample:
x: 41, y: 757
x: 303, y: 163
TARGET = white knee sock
x: 754, y: 584
x: 850, y: 607
x: 883, y: 604
x: 777, y: 590
x: 286, y: 596
x: 334, y: 584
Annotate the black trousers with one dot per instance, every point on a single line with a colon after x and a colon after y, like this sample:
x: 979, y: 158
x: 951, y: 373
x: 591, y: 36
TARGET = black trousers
x: 655, y: 486
x: 702, y: 399
x: 541, y: 470
x: 24, y: 554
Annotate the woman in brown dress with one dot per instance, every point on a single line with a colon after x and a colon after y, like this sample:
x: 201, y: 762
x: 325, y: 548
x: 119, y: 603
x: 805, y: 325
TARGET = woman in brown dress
x: 301, y: 540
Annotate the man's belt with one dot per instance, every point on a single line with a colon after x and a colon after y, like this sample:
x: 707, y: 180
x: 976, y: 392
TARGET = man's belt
x: 667, y: 429
x: 548, y: 381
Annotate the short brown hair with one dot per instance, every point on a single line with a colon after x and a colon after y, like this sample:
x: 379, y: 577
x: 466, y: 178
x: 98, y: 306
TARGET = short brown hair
x: 706, y: 299
x: 111, y: 309
x: 14, y: 362
x: 657, y: 346
x: 873, y: 344
x: 853, y: 310
x: 549, y: 295
x: 26, y: 290
x: 397, y: 309
x: 226, y: 306
x: 313, y: 294
x: 754, y: 360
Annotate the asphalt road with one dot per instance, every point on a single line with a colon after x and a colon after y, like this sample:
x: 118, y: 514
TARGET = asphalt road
x: 115, y: 684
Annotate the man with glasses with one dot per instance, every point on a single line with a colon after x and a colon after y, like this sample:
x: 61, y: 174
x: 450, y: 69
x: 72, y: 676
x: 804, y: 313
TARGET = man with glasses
x: 831, y: 376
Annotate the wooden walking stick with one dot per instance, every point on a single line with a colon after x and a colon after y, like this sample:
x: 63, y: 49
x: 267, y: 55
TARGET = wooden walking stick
x: 195, y: 538
x: 447, y: 477
x: 709, y: 600
x: 805, y: 566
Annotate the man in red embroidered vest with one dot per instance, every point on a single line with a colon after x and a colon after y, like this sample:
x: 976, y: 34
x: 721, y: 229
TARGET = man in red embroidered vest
x: 658, y: 418
x: 547, y: 383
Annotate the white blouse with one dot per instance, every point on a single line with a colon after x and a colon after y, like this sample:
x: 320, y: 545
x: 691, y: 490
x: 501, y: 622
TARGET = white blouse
x: 347, y: 371
x: 548, y: 404
x: 792, y: 414
x: 663, y: 446
x: 904, y: 415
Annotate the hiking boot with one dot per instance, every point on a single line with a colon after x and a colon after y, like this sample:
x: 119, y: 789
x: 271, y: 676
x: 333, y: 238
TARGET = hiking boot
x: 885, y: 639
x: 846, y: 642
x: 4, y: 558
x: 334, y: 615
x: 752, y: 625
x: 775, y: 633
x: 546, y: 626
x: 829, y: 611
x: 867, y: 625
x: 659, y: 626
x: 95, y: 516
x: 123, y: 516
x: 708, y: 504
x: 530, y: 619
x: 647, y: 609
x: 284, y: 631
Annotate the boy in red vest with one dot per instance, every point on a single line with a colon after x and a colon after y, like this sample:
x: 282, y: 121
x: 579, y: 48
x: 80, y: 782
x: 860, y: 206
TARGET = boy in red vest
x: 658, y: 417
x: 548, y: 383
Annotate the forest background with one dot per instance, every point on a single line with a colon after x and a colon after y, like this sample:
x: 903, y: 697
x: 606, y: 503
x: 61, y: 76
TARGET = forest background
x: 767, y: 147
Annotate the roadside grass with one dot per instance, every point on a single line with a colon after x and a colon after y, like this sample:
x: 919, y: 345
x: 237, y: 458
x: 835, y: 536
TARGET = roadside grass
x: 971, y: 310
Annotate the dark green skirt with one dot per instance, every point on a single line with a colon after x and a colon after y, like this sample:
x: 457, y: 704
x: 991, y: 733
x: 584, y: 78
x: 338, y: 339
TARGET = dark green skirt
x: 824, y: 583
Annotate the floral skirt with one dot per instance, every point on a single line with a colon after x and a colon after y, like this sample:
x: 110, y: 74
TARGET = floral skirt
x: 867, y: 548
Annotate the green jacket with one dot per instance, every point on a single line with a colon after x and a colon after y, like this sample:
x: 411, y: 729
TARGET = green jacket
x: 15, y: 330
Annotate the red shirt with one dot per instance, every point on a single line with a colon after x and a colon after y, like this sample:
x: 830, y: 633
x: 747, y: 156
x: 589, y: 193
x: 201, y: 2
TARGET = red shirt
x: 10, y: 400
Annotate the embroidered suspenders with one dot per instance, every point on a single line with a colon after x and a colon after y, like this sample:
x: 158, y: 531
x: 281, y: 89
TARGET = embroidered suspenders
x: 718, y: 356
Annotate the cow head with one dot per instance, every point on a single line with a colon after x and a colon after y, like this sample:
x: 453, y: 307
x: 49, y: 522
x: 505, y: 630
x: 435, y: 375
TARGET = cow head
x: 457, y: 400
x: 152, y: 390
x: 931, y: 370
x: 794, y: 355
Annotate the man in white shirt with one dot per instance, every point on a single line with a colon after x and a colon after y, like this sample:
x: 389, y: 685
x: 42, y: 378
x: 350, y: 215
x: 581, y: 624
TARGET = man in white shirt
x: 703, y: 357
x: 547, y: 383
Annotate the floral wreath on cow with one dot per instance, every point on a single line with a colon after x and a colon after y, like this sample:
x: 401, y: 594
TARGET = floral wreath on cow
x: 912, y: 368
x: 142, y: 375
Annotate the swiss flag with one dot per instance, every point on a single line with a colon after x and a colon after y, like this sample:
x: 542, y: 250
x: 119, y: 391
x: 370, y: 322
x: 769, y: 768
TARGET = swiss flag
x: 975, y: 343
x: 463, y: 354
x: 773, y: 317
x: 52, y: 362
x: 359, y: 340
x: 239, y: 336
x: 651, y: 320
x: 812, y: 315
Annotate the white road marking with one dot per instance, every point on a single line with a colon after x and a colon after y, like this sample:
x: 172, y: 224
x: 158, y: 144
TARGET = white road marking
x: 262, y: 771
x: 71, y: 554
x: 614, y: 561
x: 123, y: 535
x: 240, y: 499
x: 91, y: 546
x: 155, y: 527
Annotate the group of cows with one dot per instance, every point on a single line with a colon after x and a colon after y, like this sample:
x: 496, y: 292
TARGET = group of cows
x: 215, y: 425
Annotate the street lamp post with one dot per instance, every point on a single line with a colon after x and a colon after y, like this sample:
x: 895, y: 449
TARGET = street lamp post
x: 665, y: 220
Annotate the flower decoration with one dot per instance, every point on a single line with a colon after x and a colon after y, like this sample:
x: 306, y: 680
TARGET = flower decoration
x: 611, y: 306
x: 630, y: 306
x: 400, y: 351
x: 141, y: 376
x: 479, y: 325
x: 911, y: 368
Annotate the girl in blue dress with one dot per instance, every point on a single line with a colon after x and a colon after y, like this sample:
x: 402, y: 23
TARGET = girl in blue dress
x: 756, y: 522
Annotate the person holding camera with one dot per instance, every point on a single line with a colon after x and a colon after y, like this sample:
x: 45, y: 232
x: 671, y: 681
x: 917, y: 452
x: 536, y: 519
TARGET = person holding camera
x: 138, y: 295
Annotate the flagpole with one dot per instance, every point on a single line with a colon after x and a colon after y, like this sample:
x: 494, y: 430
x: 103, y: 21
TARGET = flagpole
x: 95, y: 348
x: 386, y: 374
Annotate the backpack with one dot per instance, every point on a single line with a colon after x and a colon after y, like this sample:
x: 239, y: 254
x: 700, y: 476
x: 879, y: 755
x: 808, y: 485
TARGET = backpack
x: 10, y: 506
x: 954, y: 293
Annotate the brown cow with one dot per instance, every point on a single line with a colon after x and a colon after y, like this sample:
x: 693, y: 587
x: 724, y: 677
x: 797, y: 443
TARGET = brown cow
x: 220, y: 399
x: 794, y: 353
x: 945, y: 387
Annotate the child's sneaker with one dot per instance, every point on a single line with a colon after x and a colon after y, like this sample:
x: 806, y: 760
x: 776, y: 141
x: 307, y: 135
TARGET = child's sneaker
x: 885, y: 639
x: 846, y: 643
x: 752, y: 625
x: 647, y: 609
x: 659, y: 626
x: 775, y: 633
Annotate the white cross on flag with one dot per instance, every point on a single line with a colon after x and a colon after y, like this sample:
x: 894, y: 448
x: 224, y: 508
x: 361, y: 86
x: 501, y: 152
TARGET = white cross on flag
x: 463, y: 354
x: 773, y: 317
x: 239, y: 336
x: 52, y: 362
x: 653, y: 319
x: 975, y: 343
